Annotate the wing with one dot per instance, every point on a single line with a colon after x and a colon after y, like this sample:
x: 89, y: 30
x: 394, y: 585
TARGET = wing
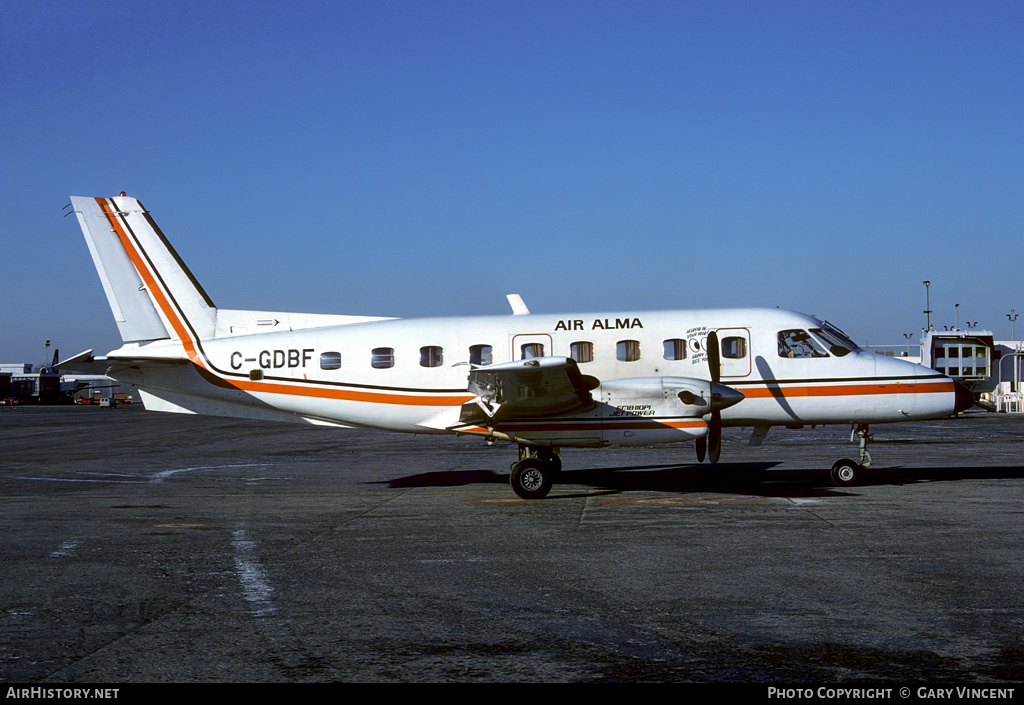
x: 527, y: 389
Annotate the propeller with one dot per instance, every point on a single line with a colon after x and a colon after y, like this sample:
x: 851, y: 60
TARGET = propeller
x: 715, y: 427
x: 722, y: 397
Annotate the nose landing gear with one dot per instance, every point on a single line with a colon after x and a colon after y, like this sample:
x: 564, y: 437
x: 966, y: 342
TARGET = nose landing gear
x: 846, y: 472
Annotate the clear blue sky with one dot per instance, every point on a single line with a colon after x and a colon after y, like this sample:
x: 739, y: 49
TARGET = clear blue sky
x: 415, y: 157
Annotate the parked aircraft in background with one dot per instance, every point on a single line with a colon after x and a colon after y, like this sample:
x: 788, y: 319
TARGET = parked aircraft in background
x: 544, y: 382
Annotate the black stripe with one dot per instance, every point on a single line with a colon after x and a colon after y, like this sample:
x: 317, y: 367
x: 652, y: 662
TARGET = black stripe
x: 222, y: 381
x: 224, y: 374
x: 829, y: 380
x: 174, y: 254
x: 347, y: 385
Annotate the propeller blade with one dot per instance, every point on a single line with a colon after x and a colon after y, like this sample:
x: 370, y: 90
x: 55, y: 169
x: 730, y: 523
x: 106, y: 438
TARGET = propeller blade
x: 715, y: 437
x: 720, y: 397
x: 714, y: 356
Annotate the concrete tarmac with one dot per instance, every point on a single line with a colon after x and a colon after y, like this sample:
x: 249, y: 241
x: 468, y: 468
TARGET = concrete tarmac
x: 143, y: 547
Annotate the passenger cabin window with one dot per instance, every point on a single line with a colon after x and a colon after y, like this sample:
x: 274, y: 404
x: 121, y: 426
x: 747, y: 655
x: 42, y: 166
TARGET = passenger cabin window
x: 675, y: 349
x: 627, y: 350
x: 381, y: 358
x: 582, y: 351
x: 481, y: 355
x: 330, y: 361
x: 532, y: 350
x: 799, y: 343
x: 734, y: 347
x: 431, y: 356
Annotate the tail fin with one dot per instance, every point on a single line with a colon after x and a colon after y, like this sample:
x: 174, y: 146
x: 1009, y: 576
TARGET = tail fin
x: 151, y: 292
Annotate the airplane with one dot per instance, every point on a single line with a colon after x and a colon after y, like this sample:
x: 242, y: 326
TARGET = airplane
x: 543, y: 382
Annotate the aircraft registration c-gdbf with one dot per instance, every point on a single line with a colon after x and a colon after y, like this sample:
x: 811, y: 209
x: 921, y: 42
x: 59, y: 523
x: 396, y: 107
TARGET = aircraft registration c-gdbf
x: 543, y: 382
x: 267, y: 359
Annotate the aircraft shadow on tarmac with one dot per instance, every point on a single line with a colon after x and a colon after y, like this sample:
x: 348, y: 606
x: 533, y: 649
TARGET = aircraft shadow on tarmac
x: 758, y: 479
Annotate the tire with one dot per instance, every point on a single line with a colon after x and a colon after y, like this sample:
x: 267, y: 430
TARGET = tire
x: 846, y: 473
x: 531, y: 478
x: 553, y: 460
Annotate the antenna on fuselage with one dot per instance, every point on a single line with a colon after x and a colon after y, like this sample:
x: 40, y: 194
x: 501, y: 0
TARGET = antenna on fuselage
x: 518, y: 305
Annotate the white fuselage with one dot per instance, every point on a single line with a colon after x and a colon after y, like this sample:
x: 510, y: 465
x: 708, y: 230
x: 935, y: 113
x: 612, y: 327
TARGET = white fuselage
x: 411, y: 375
x: 543, y: 381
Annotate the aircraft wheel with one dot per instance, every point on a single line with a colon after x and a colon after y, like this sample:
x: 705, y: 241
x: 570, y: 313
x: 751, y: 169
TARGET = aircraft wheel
x: 846, y: 473
x: 531, y: 478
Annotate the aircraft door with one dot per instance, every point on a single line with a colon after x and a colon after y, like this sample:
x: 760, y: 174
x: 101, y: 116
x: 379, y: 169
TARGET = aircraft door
x: 735, y: 349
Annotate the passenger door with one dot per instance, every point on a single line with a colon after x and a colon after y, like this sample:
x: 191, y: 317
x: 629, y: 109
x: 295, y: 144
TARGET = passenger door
x: 735, y: 352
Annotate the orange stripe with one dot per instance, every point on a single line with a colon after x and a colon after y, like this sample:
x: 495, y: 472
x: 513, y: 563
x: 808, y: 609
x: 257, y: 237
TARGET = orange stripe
x: 182, y: 331
x: 842, y: 390
x: 374, y: 397
x: 151, y: 283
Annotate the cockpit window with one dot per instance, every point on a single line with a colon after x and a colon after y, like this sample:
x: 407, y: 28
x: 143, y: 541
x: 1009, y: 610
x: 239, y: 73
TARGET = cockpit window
x: 836, y: 341
x: 799, y: 343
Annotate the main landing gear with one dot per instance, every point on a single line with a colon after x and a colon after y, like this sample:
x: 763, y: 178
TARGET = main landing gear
x: 538, y: 467
x: 847, y: 473
x: 535, y: 471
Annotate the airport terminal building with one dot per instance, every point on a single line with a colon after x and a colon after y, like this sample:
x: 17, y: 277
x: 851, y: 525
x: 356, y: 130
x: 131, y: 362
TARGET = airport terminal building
x: 19, y: 384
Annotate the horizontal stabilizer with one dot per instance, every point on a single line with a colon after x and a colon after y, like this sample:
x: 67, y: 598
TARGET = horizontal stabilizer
x: 76, y: 361
x: 231, y: 323
x: 129, y: 356
x: 177, y: 403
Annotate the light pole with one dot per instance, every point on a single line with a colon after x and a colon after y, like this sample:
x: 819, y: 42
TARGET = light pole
x: 908, y: 336
x: 1016, y: 367
x: 927, y: 305
x: 956, y: 317
x: 1012, y: 315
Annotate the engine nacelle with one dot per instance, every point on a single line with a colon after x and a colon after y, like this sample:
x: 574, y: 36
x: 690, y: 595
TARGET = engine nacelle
x: 625, y: 412
x: 649, y: 410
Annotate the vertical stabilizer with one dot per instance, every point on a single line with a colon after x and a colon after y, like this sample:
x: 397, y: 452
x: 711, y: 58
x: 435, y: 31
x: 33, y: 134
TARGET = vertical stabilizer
x: 151, y: 292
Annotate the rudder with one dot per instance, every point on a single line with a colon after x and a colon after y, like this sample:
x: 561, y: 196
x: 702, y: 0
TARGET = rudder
x: 151, y: 292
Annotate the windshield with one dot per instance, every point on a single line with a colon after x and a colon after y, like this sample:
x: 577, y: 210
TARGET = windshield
x: 835, y: 340
x: 799, y: 343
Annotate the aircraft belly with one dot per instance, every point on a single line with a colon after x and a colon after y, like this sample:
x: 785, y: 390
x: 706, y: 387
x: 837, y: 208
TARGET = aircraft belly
x: 655, y: 435
x: 406, y: 418
x: 595, y: 431
x: 190, y: 389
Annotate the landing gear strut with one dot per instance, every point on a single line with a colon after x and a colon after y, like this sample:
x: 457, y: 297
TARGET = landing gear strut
x: 847, y: 473
x: 535, y: 471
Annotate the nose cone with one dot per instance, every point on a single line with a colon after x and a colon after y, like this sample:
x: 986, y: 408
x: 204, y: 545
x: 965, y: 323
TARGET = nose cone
x: 724, y: 396
x: 924, y: 406
x: 964, y: 397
